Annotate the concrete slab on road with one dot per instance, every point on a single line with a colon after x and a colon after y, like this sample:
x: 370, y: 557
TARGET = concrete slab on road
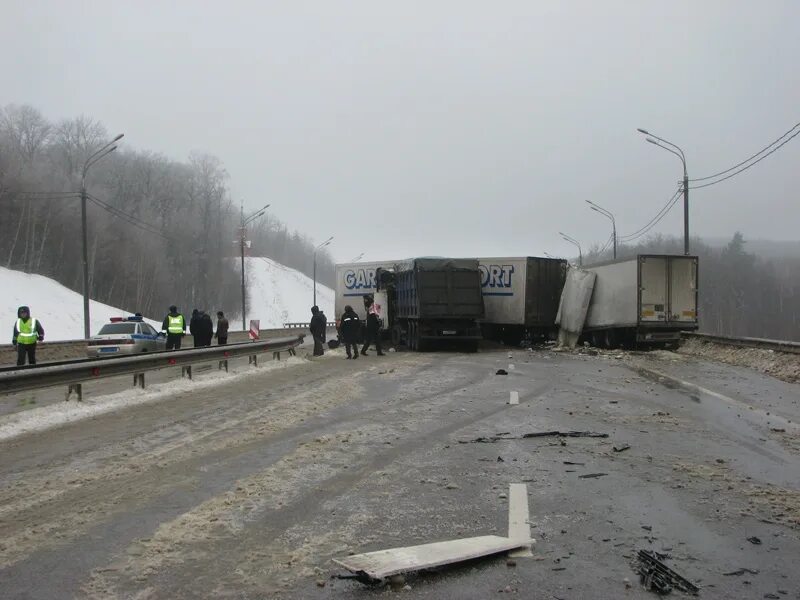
x: 251, y: 487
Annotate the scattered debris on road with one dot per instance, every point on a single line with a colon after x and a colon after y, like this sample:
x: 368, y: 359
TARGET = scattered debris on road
x: 754, y: 540
x: 657, y: 577
x: 501, y: 372
x: 621, y: 447
x: 592, y: 475
x: 505, y: 436
x: 374, y: 566
x: 742, y: 571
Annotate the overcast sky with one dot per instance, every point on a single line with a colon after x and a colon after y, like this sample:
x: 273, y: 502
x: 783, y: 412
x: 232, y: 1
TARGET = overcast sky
x: 439, y: 127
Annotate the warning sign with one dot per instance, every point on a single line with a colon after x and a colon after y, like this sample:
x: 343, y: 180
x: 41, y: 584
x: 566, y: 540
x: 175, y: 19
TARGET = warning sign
x: 255, y: 327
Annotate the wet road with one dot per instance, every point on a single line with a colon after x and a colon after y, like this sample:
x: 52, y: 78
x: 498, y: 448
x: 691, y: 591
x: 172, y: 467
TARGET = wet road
x: 249, y: 487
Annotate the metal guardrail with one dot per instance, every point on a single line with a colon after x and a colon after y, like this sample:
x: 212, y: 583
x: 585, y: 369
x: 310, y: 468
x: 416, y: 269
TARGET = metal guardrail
x: 746, y: 342
x: 75, y: 373
x: 304, y: 325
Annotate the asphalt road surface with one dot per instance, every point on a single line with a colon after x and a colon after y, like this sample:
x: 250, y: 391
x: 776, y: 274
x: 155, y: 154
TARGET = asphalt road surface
x: 248, y: 485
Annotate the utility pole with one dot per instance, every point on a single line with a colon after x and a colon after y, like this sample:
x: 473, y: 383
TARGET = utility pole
x: 606, y: 213
x: 654, y: 139
x: 93, y: 158
x: 242, y: 233
x: 576, y: 243
x: 322, y: 245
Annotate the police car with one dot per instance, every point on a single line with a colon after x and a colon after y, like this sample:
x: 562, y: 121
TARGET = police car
x: 125, y: 335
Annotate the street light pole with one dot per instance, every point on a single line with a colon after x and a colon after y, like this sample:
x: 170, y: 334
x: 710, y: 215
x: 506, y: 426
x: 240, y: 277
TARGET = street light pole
x: 322, y: 245
x: 599, y: 209
x: 259, y: 213
x: 654, y: 139
x: 574, y: 241
x: 93, y: 158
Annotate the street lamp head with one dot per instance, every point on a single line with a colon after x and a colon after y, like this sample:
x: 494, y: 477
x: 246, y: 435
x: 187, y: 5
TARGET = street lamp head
x: 644, y: 131
x: 118, y: 138
x: 652, y: 141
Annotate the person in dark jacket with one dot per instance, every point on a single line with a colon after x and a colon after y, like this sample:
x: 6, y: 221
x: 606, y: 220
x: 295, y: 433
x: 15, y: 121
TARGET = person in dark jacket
x: 373, y: 327
x: 318, y: 326
x: 174, y: 327
x: 27, y: 332
x: 350, y: 328
x: 195, y: 329
x: 206, y: 328
x: 222, y: 329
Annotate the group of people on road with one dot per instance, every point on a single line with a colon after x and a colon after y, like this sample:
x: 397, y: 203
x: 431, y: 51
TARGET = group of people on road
x: 201, y: 328
x: 350, y: 330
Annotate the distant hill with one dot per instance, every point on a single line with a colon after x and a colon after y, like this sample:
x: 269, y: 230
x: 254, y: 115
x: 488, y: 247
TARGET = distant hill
x: 59, y: 309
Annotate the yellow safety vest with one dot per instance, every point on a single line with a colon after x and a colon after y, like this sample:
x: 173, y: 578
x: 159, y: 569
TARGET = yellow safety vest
x: 175, y: 324
x: 26, y: 332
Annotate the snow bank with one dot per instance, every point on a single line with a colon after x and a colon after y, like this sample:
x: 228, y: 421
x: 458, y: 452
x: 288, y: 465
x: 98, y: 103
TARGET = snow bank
x: 54, y: 415
x: 58, y: 308
x: 278, y: 294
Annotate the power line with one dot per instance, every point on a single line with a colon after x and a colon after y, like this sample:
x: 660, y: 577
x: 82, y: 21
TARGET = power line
x: 131, y: 219
x: 748, y: 159
x: 775, y: 149
x: 652, y: 223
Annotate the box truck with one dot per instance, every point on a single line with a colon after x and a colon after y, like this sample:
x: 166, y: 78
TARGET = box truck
x: 356, y: 280
x: 433, y: 299
x: 521, y: 296
x: 645, y: 300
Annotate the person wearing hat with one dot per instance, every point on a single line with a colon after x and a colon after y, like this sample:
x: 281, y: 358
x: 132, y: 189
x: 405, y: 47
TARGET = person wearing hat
x: 351, y: 331
x: 174, y: 327
x: 27, y: 332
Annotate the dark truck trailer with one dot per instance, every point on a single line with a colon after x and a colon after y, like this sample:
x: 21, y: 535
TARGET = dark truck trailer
x: 521, y: 296
x: 433, y: 299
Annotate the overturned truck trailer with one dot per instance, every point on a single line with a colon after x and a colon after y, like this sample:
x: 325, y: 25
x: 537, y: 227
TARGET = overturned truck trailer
x: 521, y: 296
x: 433, y: 299
x: 646, y: 300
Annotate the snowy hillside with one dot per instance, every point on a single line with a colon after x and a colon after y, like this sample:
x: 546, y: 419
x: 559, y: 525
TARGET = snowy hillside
x: 59, y: 309
x: 278, y: 294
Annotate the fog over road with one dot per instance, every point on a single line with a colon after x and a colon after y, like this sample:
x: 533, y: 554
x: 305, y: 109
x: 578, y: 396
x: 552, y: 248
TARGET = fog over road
x: 248, y: 488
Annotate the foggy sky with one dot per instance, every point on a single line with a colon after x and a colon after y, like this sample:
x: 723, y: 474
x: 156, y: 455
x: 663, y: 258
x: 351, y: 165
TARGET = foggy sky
x: 438, y: 128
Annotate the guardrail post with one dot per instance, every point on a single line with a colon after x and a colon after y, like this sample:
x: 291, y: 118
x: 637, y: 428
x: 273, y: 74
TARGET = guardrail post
x: 77, y: 388
x: 223, y: 363
x: 138, y: 380
x: 186, y: 371
x: 253, y: 359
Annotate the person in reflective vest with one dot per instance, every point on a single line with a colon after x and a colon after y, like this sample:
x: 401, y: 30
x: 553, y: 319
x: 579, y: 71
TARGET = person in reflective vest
x: 27, y: 332
x: 174, y: 327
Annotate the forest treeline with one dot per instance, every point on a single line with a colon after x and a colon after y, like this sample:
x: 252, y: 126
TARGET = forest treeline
x: 161, y: 231
x: 741, y: 293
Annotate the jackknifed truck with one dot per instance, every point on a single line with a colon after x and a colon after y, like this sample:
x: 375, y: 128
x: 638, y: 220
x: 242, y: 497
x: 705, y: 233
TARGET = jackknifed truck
x: 433, y: 300
x: 645, y: 300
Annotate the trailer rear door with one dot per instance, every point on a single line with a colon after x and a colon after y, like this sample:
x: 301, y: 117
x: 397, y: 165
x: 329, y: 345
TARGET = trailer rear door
x: 653, y: 288
x: 683, y: 289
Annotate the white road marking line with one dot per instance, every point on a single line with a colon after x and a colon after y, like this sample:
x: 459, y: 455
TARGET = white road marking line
x: 514, y: 398
x: 519, y: 527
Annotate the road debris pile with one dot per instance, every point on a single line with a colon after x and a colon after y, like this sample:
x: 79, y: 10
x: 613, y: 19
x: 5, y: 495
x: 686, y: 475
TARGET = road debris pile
x: 784, y: 366
x: 538, y: 434
x: 657, y: 577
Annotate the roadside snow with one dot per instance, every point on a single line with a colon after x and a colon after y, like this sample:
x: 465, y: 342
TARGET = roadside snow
x: 278, y: 294
x: 59, y: 309
x: 54, y: 415
x: 784, y: 366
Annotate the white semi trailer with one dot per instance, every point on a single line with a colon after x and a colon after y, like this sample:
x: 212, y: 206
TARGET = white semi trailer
x: 521, y: 296
x: 356, y: 280
x: 645, y: 300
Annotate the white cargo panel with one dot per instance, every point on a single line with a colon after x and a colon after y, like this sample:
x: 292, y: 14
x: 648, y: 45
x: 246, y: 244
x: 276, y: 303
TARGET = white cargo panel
x: 353, y: 282
x: 683, y: 289
x: 615, y: 298
x: 654, y: 284
x: 503, y: 283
